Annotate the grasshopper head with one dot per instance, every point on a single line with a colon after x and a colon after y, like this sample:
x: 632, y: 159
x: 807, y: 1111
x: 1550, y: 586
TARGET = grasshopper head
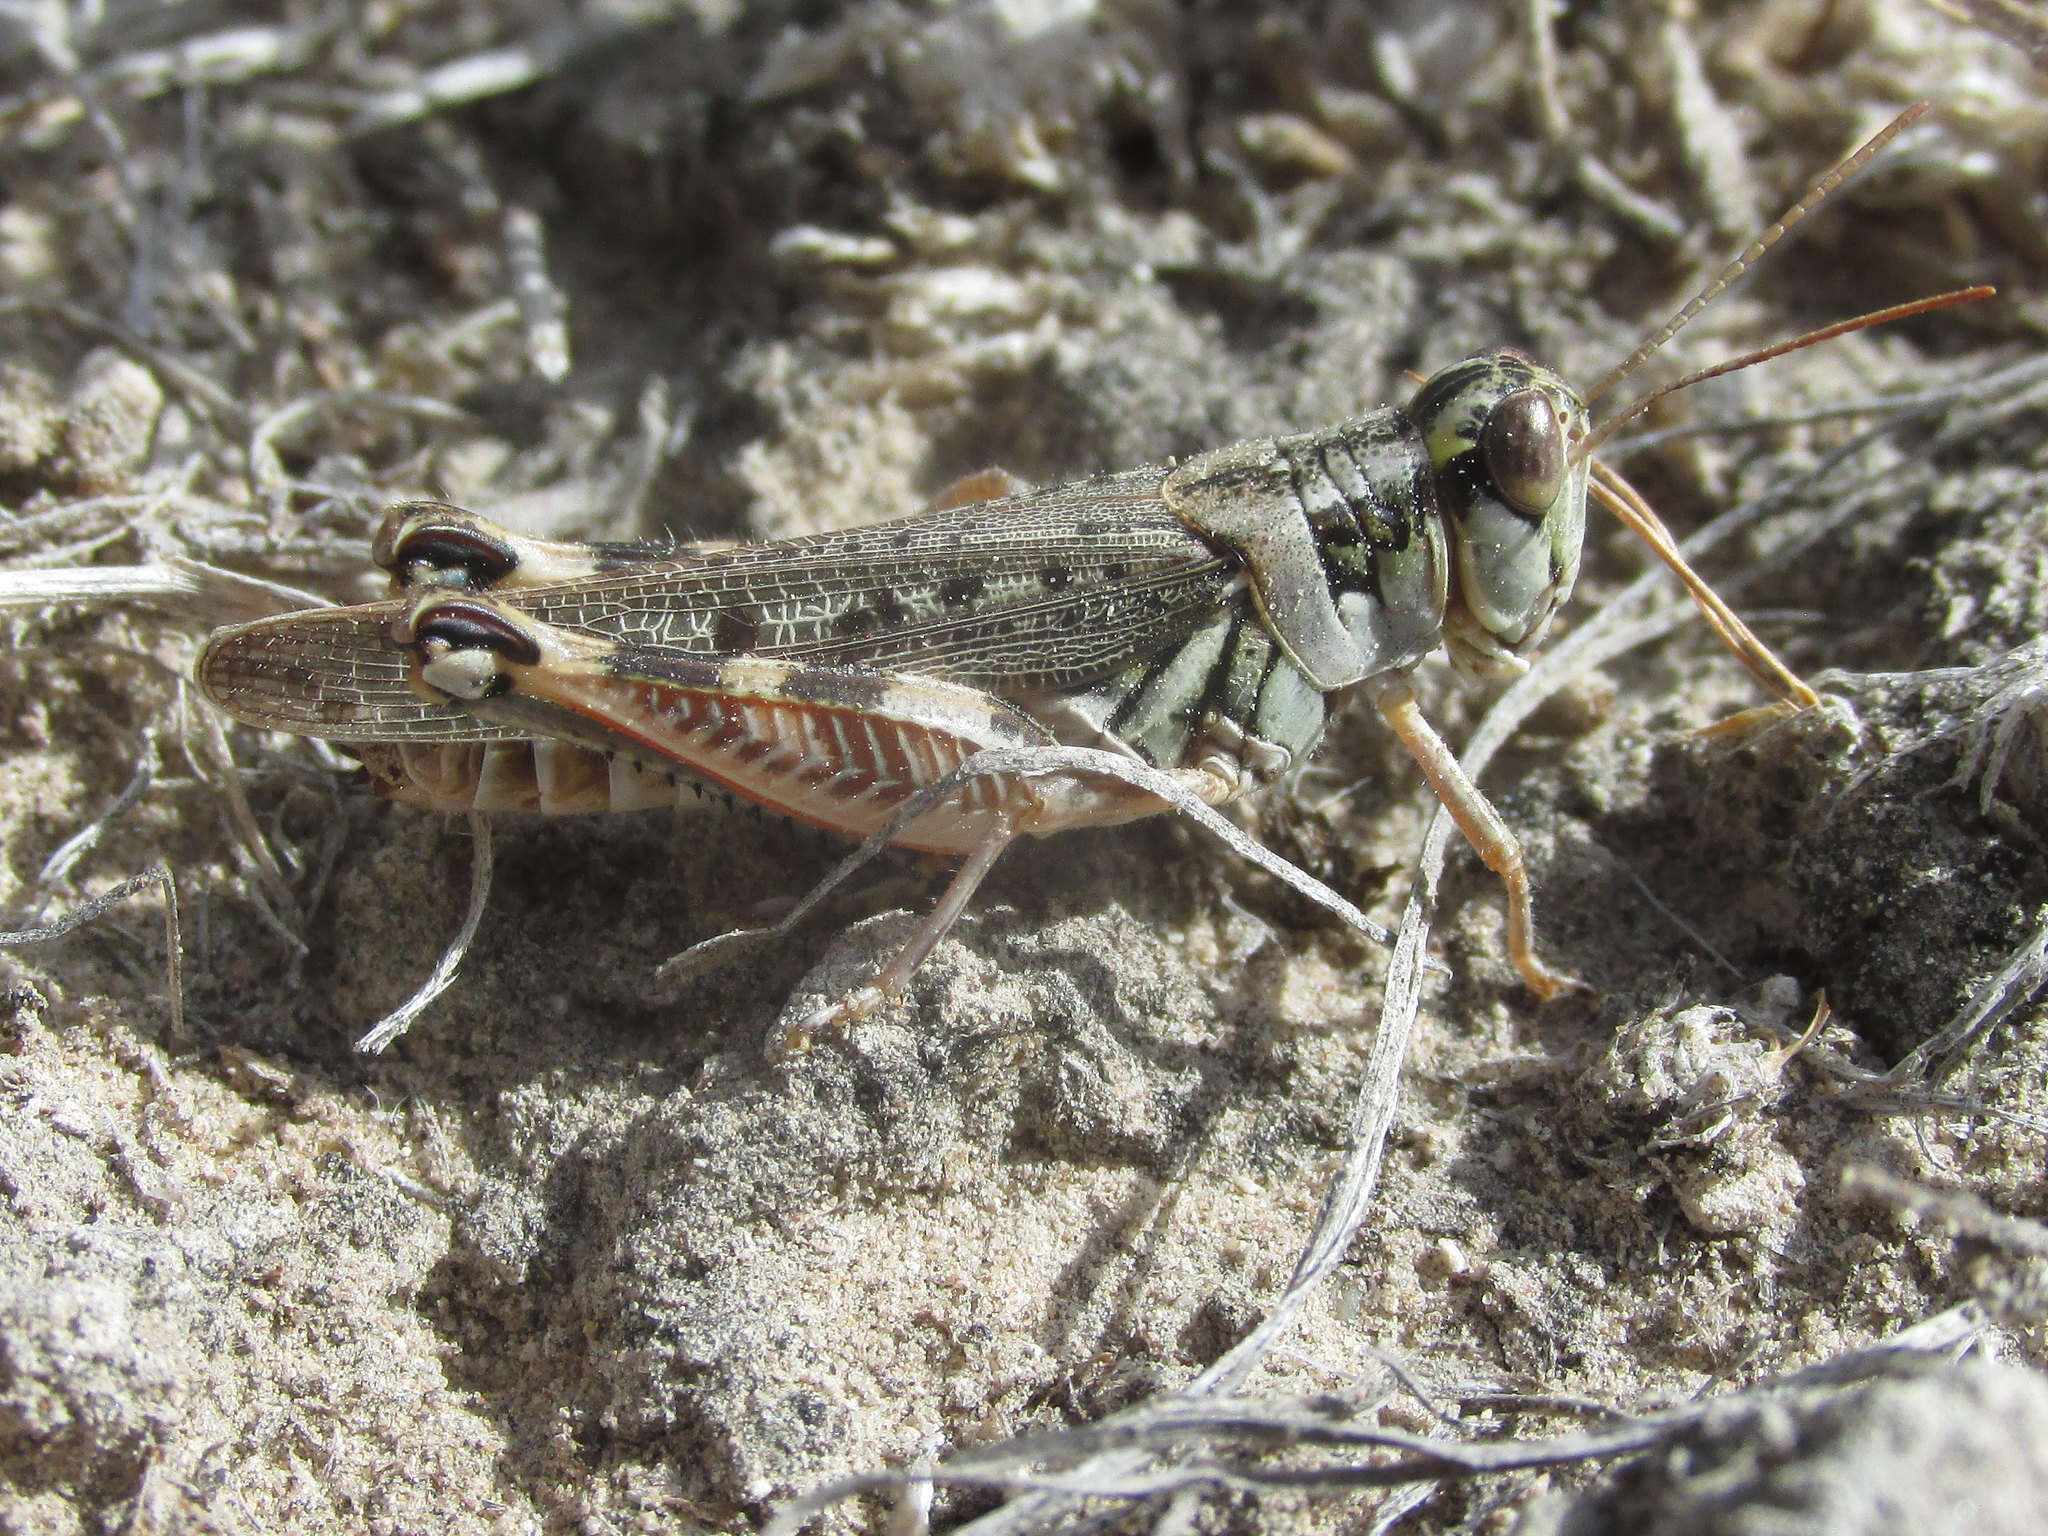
x: 1500, y: 429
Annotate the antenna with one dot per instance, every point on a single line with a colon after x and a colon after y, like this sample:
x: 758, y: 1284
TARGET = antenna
x: 1770, y: 237
x: 1586, y: 445
x: 1623, y: 500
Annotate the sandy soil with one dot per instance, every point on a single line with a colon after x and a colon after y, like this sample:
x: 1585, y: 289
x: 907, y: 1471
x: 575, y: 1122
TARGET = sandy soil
x: 575, y: 1256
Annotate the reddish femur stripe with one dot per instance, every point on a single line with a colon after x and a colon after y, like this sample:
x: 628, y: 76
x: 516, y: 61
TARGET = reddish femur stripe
x: 844, y: 770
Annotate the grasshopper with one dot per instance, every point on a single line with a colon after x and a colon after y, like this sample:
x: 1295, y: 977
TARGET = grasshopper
x: 1197, y: 618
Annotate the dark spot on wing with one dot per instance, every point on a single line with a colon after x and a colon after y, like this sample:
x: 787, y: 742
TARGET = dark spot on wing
x: 855, y: 621
x: 734, y: 630
x: 959, y: 591
x: 1056, y: 578
x: 889, y: 609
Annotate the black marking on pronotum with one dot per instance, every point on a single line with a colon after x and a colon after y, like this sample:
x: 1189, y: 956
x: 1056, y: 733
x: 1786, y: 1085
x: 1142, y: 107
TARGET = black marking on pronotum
x: 1416, y: 503
x: 1383, y: 515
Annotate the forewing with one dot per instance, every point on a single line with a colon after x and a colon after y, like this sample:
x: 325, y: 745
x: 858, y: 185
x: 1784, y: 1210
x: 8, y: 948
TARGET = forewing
x: 1050, y: 590
x: 333, y: 673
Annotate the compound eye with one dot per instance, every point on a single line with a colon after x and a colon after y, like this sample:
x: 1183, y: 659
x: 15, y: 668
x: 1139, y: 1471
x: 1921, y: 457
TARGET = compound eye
x: 1523, y: 445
